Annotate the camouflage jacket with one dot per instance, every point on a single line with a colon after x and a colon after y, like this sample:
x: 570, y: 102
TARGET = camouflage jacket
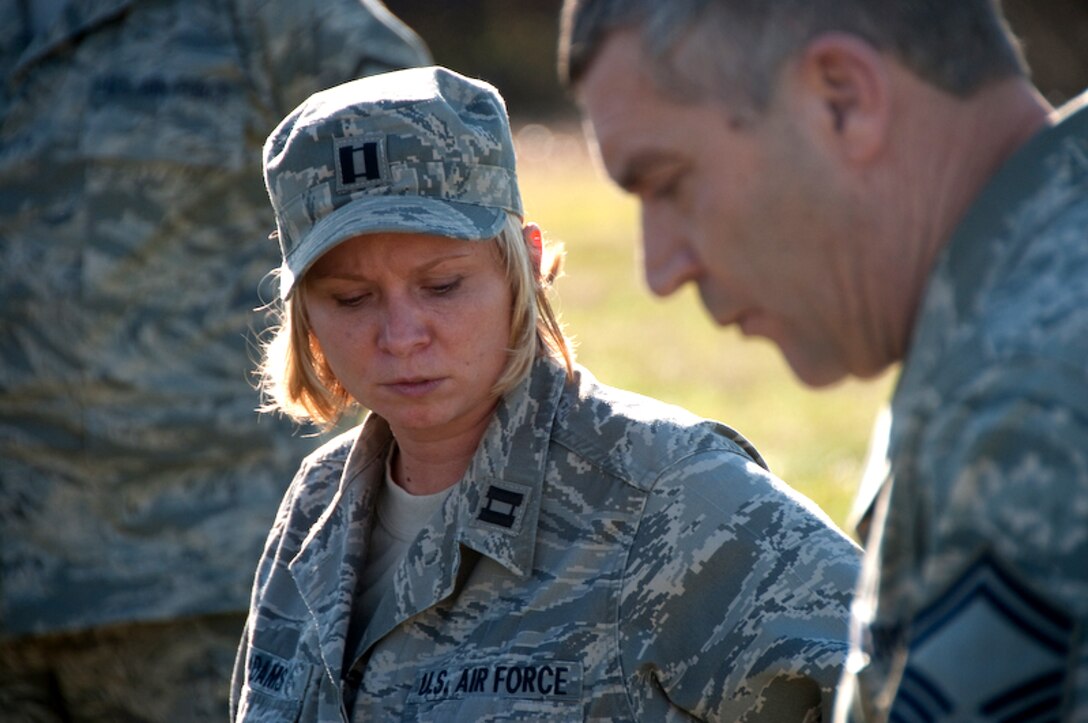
x: 605, y: 557
x: 977, y: 569
x: 135, y: 479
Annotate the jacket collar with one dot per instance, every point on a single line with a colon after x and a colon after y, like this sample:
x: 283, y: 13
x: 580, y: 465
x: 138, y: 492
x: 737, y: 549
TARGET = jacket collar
x: 501, y: 492
x: 325, y: 569
x: 494, y: 512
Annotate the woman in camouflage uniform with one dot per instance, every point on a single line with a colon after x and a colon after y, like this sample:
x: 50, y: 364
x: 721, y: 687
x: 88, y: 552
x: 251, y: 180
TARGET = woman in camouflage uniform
x: 503, y: 538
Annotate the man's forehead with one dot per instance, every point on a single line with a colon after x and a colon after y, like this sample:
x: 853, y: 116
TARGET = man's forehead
x: 618, y: 69
x: 624, y: 112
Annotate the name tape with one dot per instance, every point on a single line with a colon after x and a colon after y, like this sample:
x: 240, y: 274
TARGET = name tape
x: 552, y: 680
x: 273, y: 675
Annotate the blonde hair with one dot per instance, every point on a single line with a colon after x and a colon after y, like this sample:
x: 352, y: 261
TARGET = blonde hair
x: 296, y: 380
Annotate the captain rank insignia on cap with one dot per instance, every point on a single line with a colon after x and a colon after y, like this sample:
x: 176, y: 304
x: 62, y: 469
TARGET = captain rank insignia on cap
x: 360, y: 162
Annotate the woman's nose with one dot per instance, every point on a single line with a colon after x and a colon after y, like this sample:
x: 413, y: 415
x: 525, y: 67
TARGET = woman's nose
x: 404, y: 328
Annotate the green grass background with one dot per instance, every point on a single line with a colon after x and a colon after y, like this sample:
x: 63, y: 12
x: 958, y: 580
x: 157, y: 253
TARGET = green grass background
x: 816, y: 440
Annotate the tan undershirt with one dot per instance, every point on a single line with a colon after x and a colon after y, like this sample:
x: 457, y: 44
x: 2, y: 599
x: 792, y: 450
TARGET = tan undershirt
x: 400, y: 516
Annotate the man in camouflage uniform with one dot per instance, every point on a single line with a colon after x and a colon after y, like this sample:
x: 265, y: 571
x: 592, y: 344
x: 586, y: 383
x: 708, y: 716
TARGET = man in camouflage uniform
x: 981, y: 518
x: 603, y: 557
x: 136, y: 484
x: 872, y: 183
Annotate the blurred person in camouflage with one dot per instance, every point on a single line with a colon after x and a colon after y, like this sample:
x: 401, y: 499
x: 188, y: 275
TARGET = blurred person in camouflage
x: 136, y: 485
x: 869, y: 183
x: 504, y: 537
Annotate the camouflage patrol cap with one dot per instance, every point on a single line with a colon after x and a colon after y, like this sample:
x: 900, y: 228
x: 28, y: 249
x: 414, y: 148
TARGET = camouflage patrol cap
x: 423, y: 150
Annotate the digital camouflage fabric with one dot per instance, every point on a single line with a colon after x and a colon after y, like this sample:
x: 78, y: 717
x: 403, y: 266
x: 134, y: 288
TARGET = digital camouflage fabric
x: 136, y: 482
x: 605, y: 557
x: 422, y: 150
x: 974, y: 602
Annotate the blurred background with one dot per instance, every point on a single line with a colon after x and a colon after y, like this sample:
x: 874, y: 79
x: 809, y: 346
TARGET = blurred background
x: 512, y: 44
x: 815, y: 440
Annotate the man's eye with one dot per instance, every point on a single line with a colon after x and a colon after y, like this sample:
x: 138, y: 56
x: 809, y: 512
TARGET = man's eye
x: 666, y: 189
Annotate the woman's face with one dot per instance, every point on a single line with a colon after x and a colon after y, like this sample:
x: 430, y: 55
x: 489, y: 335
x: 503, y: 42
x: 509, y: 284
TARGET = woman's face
x: 415, y: 327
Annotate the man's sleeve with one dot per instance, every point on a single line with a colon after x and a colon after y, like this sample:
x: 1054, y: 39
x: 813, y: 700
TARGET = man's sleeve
x: 736, y: 598
x: 1000, y: 513
x: 297, y: 48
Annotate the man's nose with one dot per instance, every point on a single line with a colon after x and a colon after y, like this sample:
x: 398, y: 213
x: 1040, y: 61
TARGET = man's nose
x: 667, y: 258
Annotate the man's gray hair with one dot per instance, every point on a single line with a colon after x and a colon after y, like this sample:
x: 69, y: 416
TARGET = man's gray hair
x: 733, y: 49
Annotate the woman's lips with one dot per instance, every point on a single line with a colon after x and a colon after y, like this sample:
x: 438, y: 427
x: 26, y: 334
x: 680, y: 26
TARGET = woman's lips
x: 414, y: 387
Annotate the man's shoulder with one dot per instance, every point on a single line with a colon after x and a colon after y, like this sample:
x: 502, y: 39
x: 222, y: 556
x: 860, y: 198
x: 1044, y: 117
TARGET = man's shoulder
x: 1025, y: 305
x: 1038, y: 300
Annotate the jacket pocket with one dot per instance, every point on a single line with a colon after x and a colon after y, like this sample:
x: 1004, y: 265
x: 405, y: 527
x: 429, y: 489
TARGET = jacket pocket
x: 255, y: 707
x: 495, y: 710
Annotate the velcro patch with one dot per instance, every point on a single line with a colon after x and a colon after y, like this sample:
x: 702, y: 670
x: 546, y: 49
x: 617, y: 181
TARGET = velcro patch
x: 989, y: 648
x: 360, y: 162
x: 548, y: 680
x: 503, y: 506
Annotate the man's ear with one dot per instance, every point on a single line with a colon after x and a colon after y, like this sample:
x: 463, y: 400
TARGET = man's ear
x: 847, y: 93
x: 534, y: 241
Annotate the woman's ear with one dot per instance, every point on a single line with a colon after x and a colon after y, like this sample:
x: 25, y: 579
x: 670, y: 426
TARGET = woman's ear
x: 534, y: 241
